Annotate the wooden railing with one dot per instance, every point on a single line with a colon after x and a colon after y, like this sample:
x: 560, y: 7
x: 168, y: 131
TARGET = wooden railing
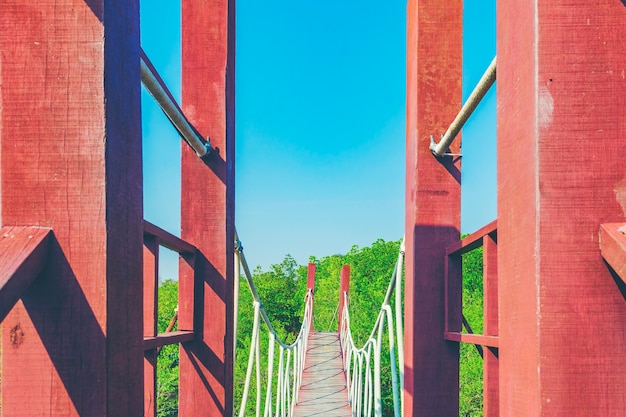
x: 487, y: 343
x: 154, y: 238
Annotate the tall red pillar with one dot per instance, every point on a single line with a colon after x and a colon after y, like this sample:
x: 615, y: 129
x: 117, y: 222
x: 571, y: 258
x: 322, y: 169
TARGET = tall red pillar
x: 561, y: 173
x: 208, y: 206
x: 434, y: 72
x: 70, y: 159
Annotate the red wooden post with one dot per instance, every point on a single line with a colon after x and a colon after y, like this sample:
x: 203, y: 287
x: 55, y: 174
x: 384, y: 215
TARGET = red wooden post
x: 150, y: 303
x: 434, y: 72
x: 490, y: 297
x: 70, y: 143
x: 310, y: 285
x: 208, y: 207
x: 344, y: 288
x: 561, y: 167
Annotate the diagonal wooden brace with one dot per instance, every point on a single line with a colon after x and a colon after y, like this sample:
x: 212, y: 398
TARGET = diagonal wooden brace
x: 23, y: 254
x: 613, y: 246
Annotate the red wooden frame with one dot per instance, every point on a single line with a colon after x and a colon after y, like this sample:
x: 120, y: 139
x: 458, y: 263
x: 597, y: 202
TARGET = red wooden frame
x: 208, y: 207
x: 486, y: 237
x: 70, y: 149
x: 70, y: 155
x: 560, y: 176
x: 154, y: 238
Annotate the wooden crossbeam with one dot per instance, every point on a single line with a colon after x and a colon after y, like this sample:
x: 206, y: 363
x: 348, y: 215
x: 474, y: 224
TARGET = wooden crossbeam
x: 169, y: 338
x: 473, y: 241
x: 24, y: 253
x: 475, y: 339
x: 167, y: 239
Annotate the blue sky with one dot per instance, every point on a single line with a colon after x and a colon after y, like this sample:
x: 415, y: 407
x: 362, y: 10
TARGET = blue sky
x: 320, y: 125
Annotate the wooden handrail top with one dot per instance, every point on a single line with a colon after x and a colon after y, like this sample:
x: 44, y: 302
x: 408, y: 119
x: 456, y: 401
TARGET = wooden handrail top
x: 168, y: 240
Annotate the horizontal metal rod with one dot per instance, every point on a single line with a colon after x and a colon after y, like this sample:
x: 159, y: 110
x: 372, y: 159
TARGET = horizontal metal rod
x: 157, y: 88
x: 481, y: 89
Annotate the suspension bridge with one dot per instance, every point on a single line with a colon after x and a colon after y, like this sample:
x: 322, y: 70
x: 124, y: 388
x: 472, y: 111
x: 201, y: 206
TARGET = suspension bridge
x: 79, y: 265
x: 324, y: 373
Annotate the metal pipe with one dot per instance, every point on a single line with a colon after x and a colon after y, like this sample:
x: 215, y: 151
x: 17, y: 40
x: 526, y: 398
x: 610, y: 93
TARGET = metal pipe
x: 157, y: 89
x: 485, y: 83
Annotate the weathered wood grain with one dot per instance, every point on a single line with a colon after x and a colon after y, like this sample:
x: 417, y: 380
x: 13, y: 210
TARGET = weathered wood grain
x: 208, y: 208
x: 70, y: 160
x: 561, y: 174
x: 323, y: 391
x: 433, y: 200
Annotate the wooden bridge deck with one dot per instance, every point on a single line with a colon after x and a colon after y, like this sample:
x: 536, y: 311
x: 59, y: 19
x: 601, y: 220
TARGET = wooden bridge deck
x: 323, y: 391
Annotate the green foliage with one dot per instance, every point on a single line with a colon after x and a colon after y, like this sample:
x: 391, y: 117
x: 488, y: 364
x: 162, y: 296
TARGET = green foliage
x: 282, y: 295
x: 370, y: 270
x: 282, y: 290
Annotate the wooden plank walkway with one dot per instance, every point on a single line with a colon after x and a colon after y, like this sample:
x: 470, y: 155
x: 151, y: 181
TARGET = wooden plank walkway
x: 323, y: 391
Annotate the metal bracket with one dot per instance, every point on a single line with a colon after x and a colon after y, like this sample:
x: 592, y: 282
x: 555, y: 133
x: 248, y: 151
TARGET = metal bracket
x: 208, y: 149
x: 238, y: 246
x: 433, y: 147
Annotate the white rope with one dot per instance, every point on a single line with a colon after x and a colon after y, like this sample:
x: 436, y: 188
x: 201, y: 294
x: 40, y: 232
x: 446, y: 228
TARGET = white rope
x: 290, y: 369
x: 399, y: 317
x: 364, y: 390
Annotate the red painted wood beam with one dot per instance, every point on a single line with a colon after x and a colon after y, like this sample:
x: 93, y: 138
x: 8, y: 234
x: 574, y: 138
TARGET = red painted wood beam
x: 70, y: 160
x: 613, y: 247
x: 169, y: 338
x: 208, y: 208
x: 150, y: 318
x: 475, y: 339
x: 491, y: 384
x: 23, y: 254
x: 473, y: 241
x: 561, y: 174
x: 344, y: 288
x: 434, y: 97
x: 168, y: 240
x: 310, y: 285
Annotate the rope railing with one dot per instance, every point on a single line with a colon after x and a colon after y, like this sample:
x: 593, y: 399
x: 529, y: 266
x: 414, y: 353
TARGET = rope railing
x: 291, y: 357
x: 364, y: 389
x: 479, y: 92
